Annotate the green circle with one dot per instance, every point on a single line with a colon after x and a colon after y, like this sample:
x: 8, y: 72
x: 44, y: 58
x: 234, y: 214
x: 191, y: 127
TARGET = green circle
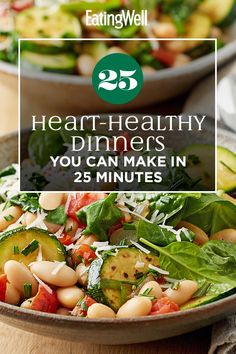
x: 117, y: 78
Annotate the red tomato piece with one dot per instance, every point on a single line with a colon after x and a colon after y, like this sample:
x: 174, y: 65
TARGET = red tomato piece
x: 163, y: 305
x: 44, y: 301
x: 65, y: 239
x: 83, y: 252
x: 81, y: 200
x: 84, y: 305
x: 20, y: 5
x: 165, y: 56
x: 3, y: 287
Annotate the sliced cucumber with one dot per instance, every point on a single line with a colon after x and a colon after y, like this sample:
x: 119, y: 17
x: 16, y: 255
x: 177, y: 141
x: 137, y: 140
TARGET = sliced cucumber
x: 110, y: 280
x: 221, y: 12
x: 95, y: 6
x: 62, y: 63
x: 18, y: 239
x: 47, y: 22
x: 200, y: 159
x: 226, y: 167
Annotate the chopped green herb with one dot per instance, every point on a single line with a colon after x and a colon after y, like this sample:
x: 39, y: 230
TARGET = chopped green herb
x: 27, y: 290
x: 16, y: 250
x: 30, y: 248
x: 80, y: 301
x: 146, y: 293
x: 69, y: 229
x: 175, y: 285
x: 8, y: 217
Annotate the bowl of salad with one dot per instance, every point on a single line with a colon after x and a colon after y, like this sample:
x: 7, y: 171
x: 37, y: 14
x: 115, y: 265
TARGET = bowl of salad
x: 170, y: 67
x: 116, y: 268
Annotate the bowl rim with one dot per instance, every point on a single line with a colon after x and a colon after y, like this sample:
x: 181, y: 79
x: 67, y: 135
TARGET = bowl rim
x: 47, y: 318
x: 223, y: 54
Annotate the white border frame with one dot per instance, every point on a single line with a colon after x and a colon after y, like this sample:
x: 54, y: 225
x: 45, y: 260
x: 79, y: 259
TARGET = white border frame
x: 118, y: 39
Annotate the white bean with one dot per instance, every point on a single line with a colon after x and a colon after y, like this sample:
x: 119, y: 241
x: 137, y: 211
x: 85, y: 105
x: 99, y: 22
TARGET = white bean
x: 68, y: 297
x: 164, y: 30
x: 53, y: 228
x: 181, y: 60
x: 100, y: 311
x: 114, y: 49
x: 82, y: 274
x: 87, y: 240
x: 29, y: 218
x: 228, y: 235
x: 63, y: 311
x: 136, y: 307
x: 155, y: 289
x: 18, y: 275
x: 200, y: 236
x: 85, y: 64
x: 27, y: 304
x: 9, y: 216
x: 184, y: 292
x: 45, y: 270
x: 50, y: 201
x: 148, y: 70
x: 12, y: 295
x: 71, y: 227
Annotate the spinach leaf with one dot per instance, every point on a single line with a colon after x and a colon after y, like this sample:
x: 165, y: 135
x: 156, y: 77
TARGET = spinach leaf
x: 57, y: 216
x: 28, y: 201
x: 210, y: 213
x: 43, y: 144
x: 159, y: 235
x: 223, y: 254
x: 185, y: 260
x: 10, y: 170
x: 171, y: 205
x: 100, y: 216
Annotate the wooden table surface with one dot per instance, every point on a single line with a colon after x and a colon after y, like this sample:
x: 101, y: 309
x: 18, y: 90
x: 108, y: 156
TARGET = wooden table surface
x: 17, y: 341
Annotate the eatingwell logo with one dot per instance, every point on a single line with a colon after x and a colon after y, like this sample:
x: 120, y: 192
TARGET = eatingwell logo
x: 119, y: 20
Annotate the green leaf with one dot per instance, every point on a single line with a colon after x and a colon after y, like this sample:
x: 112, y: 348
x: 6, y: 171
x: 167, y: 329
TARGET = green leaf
x: 185, y: 260
x: 160, y: 235
x: 100, y: 216
x: 211, y: 213
x: 43, y: 144
x: 223, y: 254
x: 57, y: 216
x: 10, y: 170
x: 27, y: 201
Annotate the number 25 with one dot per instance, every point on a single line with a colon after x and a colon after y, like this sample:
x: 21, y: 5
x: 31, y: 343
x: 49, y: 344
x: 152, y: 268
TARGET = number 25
x: 110, y: 80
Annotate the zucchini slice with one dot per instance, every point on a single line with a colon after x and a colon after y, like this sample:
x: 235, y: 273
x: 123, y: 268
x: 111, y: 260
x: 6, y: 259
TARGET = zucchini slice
x: 47, y: 22
x: 198, y: 26
x: 221, y: 12
x: 226, y: 167
x: 200, y: 159
x: 61, y: 63
x: 14, y: 241
x: 110, y: 280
